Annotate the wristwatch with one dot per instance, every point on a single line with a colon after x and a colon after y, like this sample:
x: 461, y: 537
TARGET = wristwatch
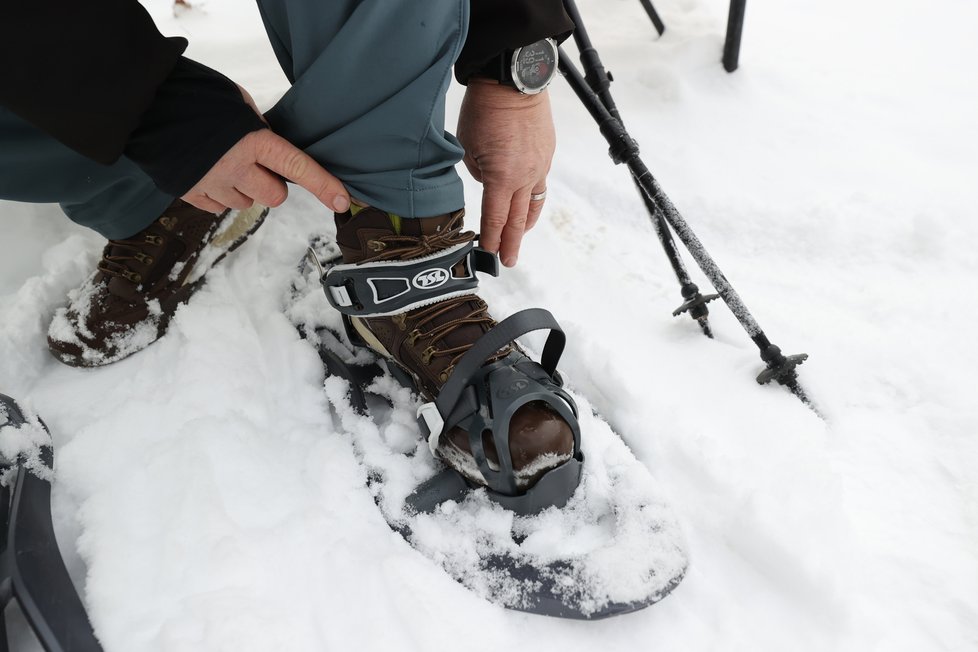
x: 528, y: 69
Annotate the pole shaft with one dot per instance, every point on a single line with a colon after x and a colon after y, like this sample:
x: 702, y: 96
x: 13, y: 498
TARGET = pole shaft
x: 664, y: 214
x: 599, y: 82
x: 624, y: 150
x: 694, y: 246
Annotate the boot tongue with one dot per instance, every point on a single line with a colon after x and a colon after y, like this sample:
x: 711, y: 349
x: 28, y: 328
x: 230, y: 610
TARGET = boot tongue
x: 353, y: 232
x: 428, y: 225
x: 355, y: 229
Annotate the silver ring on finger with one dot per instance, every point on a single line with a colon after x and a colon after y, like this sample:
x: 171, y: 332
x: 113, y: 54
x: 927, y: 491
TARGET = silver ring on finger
x: 540, y: 196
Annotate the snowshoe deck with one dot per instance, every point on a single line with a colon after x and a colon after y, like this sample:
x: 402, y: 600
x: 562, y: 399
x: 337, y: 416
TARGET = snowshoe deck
x: 613, y: 549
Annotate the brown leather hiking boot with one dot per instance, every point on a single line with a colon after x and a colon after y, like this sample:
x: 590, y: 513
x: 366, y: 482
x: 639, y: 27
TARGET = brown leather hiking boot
x: 427, y: 342
x: 126, y: 305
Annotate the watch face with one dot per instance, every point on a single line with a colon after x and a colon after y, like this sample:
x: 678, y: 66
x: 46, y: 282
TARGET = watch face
x: 534, y: 66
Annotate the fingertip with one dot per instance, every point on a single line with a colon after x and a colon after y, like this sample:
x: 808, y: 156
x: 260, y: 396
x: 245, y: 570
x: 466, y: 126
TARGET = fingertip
x: 341, y: 204
x: 509, y: 254
x: 489, y: 245
x: 277, y: 200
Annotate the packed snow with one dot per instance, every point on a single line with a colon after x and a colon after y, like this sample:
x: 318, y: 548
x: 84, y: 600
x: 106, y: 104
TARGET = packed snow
x: 207, y: 498
x: 22, y: 444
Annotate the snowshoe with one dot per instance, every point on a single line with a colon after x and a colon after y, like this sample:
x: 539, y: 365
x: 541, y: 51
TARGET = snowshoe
x: 591, y: 538
x: 31, y: 568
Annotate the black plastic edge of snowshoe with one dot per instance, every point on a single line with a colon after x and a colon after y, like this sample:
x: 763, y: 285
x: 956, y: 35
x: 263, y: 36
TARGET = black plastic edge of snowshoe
x: 33, y: 567
x: 448, y: 484
x: 351, y: 332
x: 358, y: 376
x: 548, y: 602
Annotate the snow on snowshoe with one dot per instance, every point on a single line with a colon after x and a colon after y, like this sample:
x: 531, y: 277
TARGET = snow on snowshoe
x: 589, y: 538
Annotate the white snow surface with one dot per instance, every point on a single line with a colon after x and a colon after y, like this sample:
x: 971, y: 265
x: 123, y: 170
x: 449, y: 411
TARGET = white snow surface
x: 22, y: 444
x: 207, y: 500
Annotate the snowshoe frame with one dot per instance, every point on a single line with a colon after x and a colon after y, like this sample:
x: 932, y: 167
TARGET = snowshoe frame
x: 31, y: 567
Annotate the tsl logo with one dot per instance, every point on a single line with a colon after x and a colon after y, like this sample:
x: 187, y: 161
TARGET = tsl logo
x: 431, y: 278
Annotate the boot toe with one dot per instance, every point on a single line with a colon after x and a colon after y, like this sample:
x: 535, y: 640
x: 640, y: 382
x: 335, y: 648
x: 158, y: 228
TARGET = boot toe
x: 67, y: 353
x: 539, y: 440
x: 535, y: 430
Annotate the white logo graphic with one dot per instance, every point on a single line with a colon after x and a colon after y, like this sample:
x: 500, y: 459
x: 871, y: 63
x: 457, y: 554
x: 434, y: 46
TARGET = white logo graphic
x: 431, y: 278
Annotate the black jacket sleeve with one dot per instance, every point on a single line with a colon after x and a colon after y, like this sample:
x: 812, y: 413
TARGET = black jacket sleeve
x: 499, y: 25
x: 197, y: 115
x: 98, y: 76
x: 83, y: 72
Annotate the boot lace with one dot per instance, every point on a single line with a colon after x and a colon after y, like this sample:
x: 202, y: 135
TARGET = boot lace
x: 431, y: 315
x: 401, y: 247
x: 407, y: 247
x: 118, y: 252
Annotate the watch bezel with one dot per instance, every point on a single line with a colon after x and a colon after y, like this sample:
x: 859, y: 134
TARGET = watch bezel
x: 513, y: 68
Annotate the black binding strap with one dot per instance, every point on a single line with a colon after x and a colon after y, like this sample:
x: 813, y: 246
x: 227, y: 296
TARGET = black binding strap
x: 391, y: 287
x: 506, y: 331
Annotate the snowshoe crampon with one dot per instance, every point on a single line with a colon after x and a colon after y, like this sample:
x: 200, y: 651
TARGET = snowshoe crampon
x: 592, y: 538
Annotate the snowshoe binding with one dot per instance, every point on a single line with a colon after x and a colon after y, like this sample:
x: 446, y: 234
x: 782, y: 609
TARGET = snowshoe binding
x: 514, y: 513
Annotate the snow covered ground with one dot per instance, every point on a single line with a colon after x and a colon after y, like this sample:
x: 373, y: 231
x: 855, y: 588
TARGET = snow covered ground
x: 207, y: 501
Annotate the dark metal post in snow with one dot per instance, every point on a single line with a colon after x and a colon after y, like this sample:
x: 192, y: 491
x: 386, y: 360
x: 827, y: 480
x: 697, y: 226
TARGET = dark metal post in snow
x: 654, y: 15
x: 623, y: 149
x: 599, y: 81
x: 735, y: 27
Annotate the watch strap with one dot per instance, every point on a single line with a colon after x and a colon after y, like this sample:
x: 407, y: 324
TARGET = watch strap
x: 500, y: 68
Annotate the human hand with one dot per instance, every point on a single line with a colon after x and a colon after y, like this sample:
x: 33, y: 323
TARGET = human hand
x: 255, y: 170
x: 509, y: 144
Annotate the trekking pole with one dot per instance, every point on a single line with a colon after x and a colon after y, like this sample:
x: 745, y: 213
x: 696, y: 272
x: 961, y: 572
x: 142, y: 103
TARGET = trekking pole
x: 599, y: 81
x: 624, y: 149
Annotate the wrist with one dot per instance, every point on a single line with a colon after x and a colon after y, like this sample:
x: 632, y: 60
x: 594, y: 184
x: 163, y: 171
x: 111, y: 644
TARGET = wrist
x: 491, y: 94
